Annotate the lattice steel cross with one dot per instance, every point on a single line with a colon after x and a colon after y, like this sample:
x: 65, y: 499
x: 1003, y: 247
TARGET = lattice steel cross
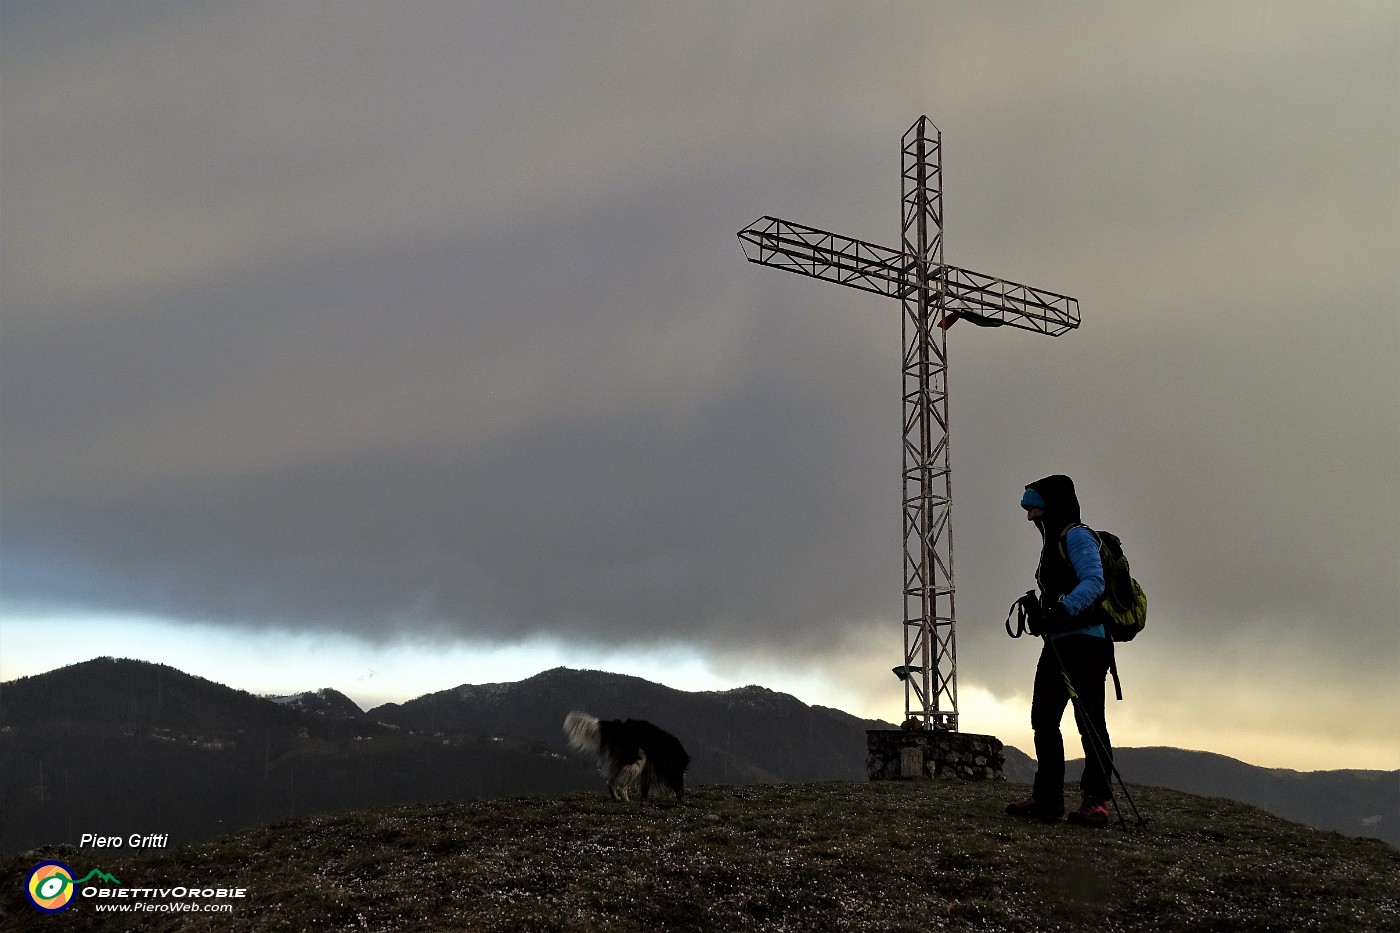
x: 934, y: 295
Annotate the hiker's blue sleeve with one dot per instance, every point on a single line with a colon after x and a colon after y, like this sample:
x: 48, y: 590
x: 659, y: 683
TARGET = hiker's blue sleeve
x: 1083, y: 550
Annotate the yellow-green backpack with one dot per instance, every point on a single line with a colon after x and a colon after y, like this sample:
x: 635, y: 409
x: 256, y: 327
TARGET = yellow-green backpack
x: 1123, y: 606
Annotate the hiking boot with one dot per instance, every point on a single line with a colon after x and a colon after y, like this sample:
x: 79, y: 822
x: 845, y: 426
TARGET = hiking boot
x: 1091, y: 813
x: 1032, y: 809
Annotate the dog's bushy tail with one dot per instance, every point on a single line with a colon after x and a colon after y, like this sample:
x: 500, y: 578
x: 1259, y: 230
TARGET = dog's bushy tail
x: 582, y: 730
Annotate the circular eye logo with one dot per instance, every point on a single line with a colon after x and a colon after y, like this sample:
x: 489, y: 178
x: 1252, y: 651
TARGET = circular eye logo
x: 50, y: 887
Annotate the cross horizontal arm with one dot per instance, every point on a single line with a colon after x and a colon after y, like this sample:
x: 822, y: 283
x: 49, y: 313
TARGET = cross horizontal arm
x: 795, y: 248
x: 992, y: 302
x: 980, y: 298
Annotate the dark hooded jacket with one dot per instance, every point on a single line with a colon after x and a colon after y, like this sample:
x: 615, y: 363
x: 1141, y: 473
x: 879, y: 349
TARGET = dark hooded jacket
x: 1056, y: 574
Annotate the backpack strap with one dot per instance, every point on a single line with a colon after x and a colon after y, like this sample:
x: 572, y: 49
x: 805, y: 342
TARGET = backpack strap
x: 1064, y: 539
x: 1064, y: 552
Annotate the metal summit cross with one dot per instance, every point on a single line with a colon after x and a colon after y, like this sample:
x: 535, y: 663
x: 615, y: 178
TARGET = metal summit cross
x: 934, y: 295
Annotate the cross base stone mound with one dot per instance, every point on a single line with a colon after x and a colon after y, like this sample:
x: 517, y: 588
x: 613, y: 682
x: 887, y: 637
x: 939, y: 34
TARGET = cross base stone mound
x: 897, y: 754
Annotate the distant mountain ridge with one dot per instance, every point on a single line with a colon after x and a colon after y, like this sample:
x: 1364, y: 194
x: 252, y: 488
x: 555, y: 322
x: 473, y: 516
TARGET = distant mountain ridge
x: 120, y: 747
x: 197, y: 759
x: 747, y: 735
x: 125, y: 693
x: 323, y: 702
x: 1355, y: 802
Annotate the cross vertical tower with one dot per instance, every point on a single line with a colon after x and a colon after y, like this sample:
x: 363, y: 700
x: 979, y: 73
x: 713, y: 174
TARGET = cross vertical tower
x: 930, y: 669
x: 934, y: 296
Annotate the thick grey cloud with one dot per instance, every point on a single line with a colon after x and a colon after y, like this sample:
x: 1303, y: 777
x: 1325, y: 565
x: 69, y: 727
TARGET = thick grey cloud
x: 403, y: 319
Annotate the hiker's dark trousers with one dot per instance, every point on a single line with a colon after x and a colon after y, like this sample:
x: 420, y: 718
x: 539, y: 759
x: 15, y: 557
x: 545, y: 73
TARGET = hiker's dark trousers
x: 1085, y: 659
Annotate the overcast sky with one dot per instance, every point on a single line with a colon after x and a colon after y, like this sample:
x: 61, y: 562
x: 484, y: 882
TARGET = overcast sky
x: 391, y: 346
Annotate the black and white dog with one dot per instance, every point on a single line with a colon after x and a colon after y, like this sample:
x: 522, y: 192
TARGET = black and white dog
x: 630, y: 750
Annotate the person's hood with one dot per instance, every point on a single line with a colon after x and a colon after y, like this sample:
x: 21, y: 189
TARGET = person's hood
x: 1061, y: 504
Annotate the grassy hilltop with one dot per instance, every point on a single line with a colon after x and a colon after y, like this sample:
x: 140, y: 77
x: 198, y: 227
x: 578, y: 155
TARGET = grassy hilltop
x: 818, y: 857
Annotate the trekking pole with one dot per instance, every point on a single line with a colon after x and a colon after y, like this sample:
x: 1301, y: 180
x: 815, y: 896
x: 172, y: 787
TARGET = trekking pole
x: 1100, y: 750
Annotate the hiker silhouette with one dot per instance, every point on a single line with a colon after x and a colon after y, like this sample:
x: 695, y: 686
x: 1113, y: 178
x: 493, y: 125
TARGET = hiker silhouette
x: 1075, y: 656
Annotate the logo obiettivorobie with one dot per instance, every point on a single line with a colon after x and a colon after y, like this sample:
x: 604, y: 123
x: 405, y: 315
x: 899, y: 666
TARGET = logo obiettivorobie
x: 51, y: 885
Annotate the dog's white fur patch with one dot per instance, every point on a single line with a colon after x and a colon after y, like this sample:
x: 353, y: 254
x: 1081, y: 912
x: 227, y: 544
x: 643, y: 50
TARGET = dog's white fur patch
x: 582, y: 730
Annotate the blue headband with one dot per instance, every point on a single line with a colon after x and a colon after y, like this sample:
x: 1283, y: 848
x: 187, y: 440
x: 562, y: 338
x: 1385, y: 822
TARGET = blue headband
x: 1032, y: 500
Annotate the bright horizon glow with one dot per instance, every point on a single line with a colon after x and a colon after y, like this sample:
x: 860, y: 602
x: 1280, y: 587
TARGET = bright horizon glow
x: 278, y: 663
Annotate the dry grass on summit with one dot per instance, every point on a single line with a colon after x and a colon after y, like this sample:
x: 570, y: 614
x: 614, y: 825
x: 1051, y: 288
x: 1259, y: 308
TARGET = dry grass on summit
x: 818, y: 857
